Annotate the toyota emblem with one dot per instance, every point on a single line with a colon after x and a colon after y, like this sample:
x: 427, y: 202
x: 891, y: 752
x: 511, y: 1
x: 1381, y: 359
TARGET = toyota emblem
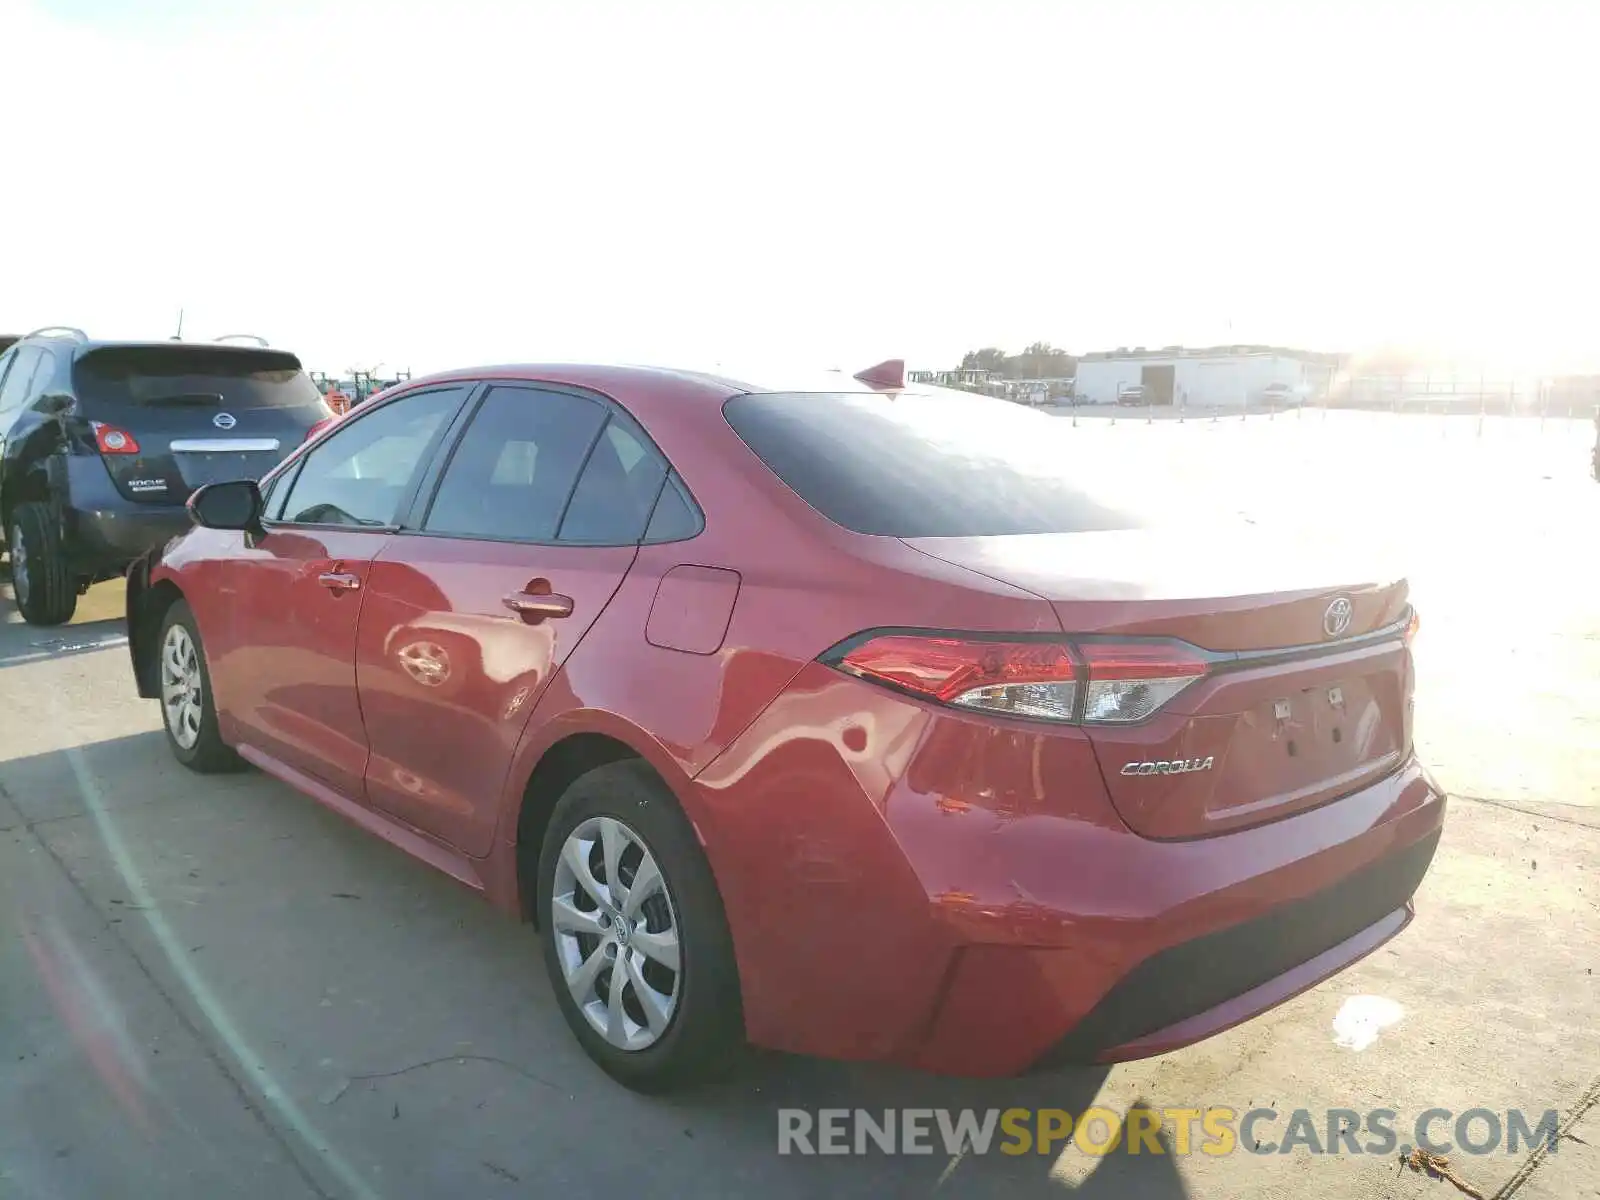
x: 224, y: 421
x: 1337, y: 618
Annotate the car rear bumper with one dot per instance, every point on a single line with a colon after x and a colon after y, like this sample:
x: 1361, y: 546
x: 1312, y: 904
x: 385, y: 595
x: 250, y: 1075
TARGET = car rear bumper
x: 1257, y: 917
x: 106, y: 540
x: 105, y: 530
x: 974, y: 906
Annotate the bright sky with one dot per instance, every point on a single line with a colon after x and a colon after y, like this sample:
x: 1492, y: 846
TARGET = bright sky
x: 436, y: 184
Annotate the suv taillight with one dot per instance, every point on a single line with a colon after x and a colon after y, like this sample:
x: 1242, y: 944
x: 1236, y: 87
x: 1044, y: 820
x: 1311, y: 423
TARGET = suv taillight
x: 1091, y: 682
x: 111, y: 440
x: 319, y: 427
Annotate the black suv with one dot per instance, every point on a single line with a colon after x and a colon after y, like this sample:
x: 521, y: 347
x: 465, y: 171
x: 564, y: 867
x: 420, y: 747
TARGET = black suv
x: 102, y: 443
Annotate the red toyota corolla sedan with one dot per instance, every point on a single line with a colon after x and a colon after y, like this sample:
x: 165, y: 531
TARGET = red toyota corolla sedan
x: 832, y: 715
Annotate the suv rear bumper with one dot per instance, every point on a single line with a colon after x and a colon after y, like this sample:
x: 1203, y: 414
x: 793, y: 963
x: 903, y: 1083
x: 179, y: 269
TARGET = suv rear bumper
x: 104, y: 531
x: 110, y: 539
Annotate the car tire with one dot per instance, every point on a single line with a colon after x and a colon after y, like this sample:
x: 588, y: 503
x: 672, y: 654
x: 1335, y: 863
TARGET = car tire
x: 699, y: 1032
x: 44, y: 589
x: 189, y: 715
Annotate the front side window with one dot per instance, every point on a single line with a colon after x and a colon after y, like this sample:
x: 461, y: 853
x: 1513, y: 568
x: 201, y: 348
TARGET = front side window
x: 361, y: 474
x: 515, y: 466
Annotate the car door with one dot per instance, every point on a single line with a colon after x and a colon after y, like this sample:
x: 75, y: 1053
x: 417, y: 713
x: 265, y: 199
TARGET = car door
x: 533, y: 524
x: 286, y: 672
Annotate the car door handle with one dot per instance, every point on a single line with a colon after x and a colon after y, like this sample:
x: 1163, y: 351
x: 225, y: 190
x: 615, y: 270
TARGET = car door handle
x: 538, y: 605
x: 339, y: 581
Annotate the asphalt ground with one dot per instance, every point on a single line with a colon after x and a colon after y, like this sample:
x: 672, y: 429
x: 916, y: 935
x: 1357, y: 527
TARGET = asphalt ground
x: 214, y: 987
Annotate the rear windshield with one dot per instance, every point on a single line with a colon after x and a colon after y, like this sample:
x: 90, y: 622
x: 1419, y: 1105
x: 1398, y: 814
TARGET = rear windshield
x: 203, y: 377
x: 941, y: 464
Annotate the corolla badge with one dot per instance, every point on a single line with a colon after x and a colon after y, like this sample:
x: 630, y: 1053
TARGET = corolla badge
x: 1337, y: 617
x: 1175, y: 766
x: 224, y: 421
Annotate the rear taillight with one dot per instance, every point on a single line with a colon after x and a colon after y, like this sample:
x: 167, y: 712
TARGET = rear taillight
x: 1021, y: 679
x: 112, y: 440
x: 319, y: 427
x: 1128, y: 681
x: 1093, y: 682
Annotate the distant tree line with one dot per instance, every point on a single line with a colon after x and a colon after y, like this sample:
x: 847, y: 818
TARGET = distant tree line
x: 1039, y: 361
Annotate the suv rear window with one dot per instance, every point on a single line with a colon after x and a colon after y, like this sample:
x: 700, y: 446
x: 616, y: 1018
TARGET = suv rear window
x: 939, y: 465
x: 123, y: 376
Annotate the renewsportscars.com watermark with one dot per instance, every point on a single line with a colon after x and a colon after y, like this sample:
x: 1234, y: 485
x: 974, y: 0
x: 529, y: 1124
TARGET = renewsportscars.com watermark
x: 1213, y: 1130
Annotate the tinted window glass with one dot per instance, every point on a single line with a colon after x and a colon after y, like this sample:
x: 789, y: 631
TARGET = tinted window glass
x: 617, y: 490
x: 201, y: 376
x: 43, y: 375
x: 941, y: 465
x: 515, y: 466
x: 15, y: 386
x: 675, y: 517
x: 272, y: 496
x: 361, y: 473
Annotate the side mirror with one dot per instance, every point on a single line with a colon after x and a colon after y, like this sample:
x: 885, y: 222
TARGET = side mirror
x: 232, y: 505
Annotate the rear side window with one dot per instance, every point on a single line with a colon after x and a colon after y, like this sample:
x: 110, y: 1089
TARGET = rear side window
x: 940, y: 465
x: 617, y: 491
x: 121, y: 377
x: 14, y: 387
x: 43, y: 374
x: 676, y: 517
x: 513, y: 470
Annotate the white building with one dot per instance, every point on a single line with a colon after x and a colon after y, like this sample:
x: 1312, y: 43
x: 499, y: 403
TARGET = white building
x: 1220, y: 375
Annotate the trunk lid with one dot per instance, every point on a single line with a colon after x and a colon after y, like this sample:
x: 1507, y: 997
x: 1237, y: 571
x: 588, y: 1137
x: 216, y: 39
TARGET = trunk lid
x: 198, y: 414
x: 1297, y: 708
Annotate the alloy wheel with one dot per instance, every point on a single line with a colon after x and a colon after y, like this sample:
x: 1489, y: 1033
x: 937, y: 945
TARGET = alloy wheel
x: 616, y: 933
x: 181, y: 689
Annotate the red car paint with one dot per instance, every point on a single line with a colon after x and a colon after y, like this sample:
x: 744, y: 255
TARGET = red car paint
x: 904, y: 880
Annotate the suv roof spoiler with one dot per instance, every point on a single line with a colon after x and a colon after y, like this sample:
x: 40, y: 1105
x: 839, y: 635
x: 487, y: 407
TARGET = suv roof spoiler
x: 252, y: 337
x: 70, y: 331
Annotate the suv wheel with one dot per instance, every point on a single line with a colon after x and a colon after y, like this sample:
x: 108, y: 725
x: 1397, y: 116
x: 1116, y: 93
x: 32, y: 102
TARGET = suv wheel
x: 635, y: 940
x: 43, y: 587
x: 188, y: 711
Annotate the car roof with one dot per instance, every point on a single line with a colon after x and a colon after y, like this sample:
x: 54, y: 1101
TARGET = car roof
x: 715, y: 384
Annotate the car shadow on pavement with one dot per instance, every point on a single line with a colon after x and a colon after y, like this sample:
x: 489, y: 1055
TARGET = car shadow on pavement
x: 340, y: 925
